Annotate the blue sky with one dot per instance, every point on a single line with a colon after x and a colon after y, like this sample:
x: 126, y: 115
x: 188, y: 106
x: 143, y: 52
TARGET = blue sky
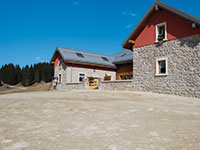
x: 30, y: 30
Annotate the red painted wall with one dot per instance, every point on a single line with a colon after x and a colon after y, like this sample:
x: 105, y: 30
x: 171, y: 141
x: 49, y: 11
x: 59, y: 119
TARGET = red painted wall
x: 177, y: 27
x: 57, y: 60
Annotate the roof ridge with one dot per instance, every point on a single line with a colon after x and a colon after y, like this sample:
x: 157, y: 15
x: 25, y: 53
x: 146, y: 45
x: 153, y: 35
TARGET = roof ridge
x: 85, y: 51
x: 179, y: 11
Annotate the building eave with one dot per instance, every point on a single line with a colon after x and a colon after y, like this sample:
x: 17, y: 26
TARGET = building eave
x: 90, y: 64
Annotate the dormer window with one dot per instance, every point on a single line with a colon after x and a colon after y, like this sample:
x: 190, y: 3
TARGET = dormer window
x: 161, y: 32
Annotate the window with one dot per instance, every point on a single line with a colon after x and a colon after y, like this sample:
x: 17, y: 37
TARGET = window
x: 161, y: 32
x: 80, y: 55
x: 81, y: 77
x: 161, y: 66
x: 126, y: 77
x: 59, y: 78
x: 107, y: 78
x: 104, y: 58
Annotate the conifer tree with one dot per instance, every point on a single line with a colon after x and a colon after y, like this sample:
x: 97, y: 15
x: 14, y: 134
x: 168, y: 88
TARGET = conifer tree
x: 37, y: 74
x: 27, y: 76
x: 0, y: 76
x: 18, y: 73
x: 10, y: 75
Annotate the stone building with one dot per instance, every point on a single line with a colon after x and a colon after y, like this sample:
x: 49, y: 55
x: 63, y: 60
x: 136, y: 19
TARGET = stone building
x: 166, y: 48
x: 163, y: 56
x: 81, y: 69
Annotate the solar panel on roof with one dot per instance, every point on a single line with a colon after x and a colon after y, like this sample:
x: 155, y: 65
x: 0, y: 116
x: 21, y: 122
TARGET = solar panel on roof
x: 80, y: 55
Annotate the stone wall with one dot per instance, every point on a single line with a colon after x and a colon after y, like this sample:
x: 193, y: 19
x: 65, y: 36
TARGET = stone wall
x: 71, y: 86
x: 183, y: 67
x: 61, y: 71
x: 118, y: 85
x: 124, y: 85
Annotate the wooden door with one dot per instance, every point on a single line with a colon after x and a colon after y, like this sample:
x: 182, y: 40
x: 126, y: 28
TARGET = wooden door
x: 93, y: 83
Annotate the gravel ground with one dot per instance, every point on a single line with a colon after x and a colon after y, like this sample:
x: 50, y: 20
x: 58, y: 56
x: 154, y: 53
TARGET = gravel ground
x: 98, y: 120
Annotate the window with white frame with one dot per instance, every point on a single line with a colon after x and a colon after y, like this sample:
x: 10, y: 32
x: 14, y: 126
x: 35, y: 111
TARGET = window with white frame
x: 161, y: 32
x: 161, y: 66
x: 81, y: 77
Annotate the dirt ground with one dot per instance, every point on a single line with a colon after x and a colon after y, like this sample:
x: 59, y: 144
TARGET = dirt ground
x: 7, y: 89
x: 98, y: 120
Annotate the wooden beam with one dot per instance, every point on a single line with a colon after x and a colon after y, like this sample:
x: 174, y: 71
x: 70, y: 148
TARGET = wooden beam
x: 131, y: 41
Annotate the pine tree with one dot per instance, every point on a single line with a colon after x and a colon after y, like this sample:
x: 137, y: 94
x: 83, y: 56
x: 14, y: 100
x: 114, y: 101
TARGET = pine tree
x: 1, y: 76
x: 10, y: 77
x: 27, y: 76
x: 31, y: 75
x: 4, y: 73
x: 24, y: 76
x: 37, y: 74
x: 50, y: 72
x: 18, y: 73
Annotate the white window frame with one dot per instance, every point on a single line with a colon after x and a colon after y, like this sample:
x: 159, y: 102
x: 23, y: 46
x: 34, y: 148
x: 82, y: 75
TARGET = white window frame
x: 157, y: 32
x: 83, y: 78
x: 157, y: 66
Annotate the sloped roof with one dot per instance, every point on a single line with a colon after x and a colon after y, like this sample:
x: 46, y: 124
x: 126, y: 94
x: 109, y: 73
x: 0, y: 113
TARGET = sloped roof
x: 123, y: 56
x: 85, y: 57
x: 152, y: 8
x: 73, y: 55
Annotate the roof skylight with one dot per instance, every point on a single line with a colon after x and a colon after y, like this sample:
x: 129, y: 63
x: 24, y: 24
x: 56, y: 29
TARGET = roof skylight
x: 123, y: 55
x: 80, y: 55
x: 104, y: 58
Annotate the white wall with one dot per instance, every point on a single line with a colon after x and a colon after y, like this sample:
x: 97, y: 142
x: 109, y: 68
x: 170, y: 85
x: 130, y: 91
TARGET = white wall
x: 71, y: 74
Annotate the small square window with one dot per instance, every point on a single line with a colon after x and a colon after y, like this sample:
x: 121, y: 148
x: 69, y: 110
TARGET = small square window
x: 161, y: 32
x: 161, y: 66
x: 107, y: 78
x: 81, y: 77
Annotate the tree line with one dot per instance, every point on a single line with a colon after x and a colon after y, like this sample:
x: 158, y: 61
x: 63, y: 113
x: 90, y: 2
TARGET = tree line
x: 28, y: 75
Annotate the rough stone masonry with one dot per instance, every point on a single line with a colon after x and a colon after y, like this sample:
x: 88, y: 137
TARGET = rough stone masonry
x: 183, y: 67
